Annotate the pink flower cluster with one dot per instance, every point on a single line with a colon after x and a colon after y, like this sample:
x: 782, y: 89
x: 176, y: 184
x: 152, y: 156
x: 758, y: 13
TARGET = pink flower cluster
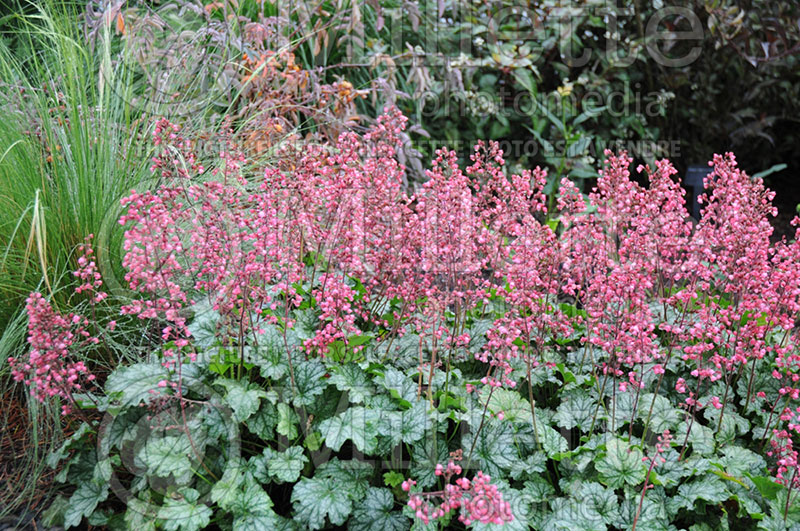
x: 782, y: 450
x: 49, y: 368
x: 174, y: 154
x: 629, y: 260
x: 478, y: 500
x: 88, y: 273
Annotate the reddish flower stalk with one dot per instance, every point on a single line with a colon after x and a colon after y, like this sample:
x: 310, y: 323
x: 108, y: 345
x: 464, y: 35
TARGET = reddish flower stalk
x: 663, y: 444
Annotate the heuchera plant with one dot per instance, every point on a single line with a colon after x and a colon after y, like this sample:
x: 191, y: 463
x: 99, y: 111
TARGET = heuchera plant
x: 546, y: 350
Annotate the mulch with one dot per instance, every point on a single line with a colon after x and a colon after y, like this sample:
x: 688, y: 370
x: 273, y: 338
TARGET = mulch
x: 16, y: 439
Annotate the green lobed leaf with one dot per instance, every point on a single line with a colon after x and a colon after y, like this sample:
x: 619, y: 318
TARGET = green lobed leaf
x: 264, y: 421
x: 310, y: 382
x: 353, y: 473
x: 131, y: 385
x: 767, y: 486
x: 393, y: 478
x: 496, y: 447
x: 287, y: 421
x: 243, y: 397
x: 56, y: 456
x: 515, y: 408
x: 306, y: 322
x: 425, y: 455
x: 664, y: 416
x: 671, y: 472
x: 739, y: 461
x: 54, y: 514
x: 375, y: 513
x: 328, y: 404
x: 285, y: 466
x: 84, y: 501
x: 351, y: 378
x: 538, y: 489
x: 620, y: 409
x: 166, y: 455
x: 601, y: 500
x: 708, y: 488
x: 778, y: 507
x: 361, y: 425
x: 183, y: 511
x: 216, y: 420
x: 700, y: 437
x: 404, y: 349
x: 270, y: 354
x: 530, y: 467
x: 408, y: 426
x: 576, y: 409
x: 315, y: 498
x: 553, y: 443
x: 313, y: 441
x: 225, y: 491
x: 203, y: 327
x: 252, y: 509
x: 122, y: 428
x: 140, y: 515
x: 652, y: 517
x: 621, y: 464
x: 569, y: 514
x: 400, y: 386
x: 732, y: 423
x: 776, y: 523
